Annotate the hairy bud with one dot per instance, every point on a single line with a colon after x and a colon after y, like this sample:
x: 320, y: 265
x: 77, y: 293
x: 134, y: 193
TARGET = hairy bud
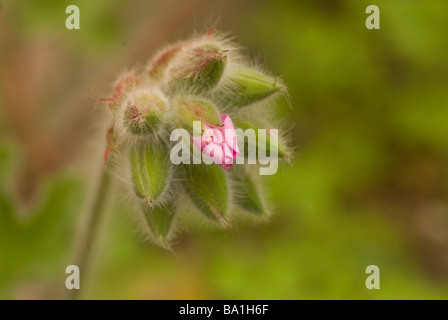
x: 273, y: 143
x: 159, y: 64
x: 244, y: 87
x: 193, y: 109
x: 247, y: 192
x: 150, y: 171
x: 125, y: 84
x: 202, y: 80
x: 143, y: 113
x: 159, y: 219
x: 208, y: 189
x: 198, y: 68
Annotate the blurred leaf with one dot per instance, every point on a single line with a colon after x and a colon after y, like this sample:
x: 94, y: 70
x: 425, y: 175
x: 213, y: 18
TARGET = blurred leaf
x: 41, y: 242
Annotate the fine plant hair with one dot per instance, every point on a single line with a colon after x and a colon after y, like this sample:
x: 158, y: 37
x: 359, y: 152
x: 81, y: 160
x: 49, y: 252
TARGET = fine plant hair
x: 204, y: 78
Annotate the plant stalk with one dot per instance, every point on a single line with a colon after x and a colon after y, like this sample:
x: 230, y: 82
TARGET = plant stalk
x: 86, y: 242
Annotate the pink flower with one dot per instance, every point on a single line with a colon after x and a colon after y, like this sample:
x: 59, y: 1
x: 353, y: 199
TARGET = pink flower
x: 219, y: 144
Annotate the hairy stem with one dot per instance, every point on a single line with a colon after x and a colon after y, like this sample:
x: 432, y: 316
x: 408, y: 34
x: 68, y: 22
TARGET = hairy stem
x: 89, y: 233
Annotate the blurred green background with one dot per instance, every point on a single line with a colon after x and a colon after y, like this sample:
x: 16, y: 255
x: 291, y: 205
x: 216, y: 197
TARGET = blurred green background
x: 369, y: 184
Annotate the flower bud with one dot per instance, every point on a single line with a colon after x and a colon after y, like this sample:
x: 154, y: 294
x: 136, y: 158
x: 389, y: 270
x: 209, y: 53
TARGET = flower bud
x: 247, y: 192
x: 208, y: 190
x: 143, y: 113
x: 198, y: 68
x: 150, y: 172
x: 124, y: 85
x: 159, y: 64
x: 219, y: 144
x: 273, y: 143
x: 244, y: 87
x: 191, y: 109
x: 159, y: 219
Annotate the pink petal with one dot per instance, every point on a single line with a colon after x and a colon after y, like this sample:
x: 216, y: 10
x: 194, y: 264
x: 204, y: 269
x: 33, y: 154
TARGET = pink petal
x: 219, y: 144
x: 215, y: 152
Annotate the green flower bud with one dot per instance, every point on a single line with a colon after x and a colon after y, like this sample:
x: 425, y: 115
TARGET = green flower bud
x: 244, y: 87
x: 191, y: 109
x: 143, y: 113
x: 208, y: 189
x: 159, y: 219
x: 247, y: 192
x: 150, y: 171
x: 277, y: 145
x: 198, y: 69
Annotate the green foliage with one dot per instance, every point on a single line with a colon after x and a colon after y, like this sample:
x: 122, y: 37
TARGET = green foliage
x: 38, y: 242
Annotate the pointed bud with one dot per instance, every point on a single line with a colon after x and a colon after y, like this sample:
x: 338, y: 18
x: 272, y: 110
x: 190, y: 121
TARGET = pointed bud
x: 208, y: 189
x: 191, y: 109
x: 198, y: 68
x: 143, y: 113
x: 159, y: 64
x: 150, y: 172
x: 244, y: 87
x: 124, y: 85
x: 159, y: 219
x: 276, y: 143
x: 248, y: 193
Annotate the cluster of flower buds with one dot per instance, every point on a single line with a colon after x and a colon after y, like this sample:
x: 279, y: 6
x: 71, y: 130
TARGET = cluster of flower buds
x: 203, y: 79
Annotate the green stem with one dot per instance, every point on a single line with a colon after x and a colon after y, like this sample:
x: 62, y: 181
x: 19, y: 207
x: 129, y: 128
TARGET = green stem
x: 89, y: 234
